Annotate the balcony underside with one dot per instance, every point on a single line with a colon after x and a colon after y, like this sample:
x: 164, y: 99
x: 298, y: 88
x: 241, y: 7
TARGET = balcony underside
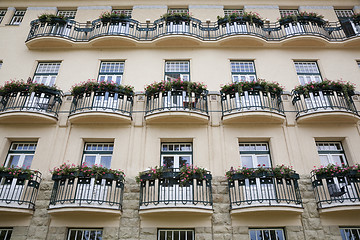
x: 27, y: 117
x: 328, y: 117
x: 296, y: 209
x: 253, y: 117
x: 75, y: 208
x: 14, y: 208
x: 171, y: 210
x: 335, y: 208
x: 99, y: 117
x: 185, y: 116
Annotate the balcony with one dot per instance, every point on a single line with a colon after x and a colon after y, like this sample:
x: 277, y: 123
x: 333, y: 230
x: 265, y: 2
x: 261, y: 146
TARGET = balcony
x: 167, y: 193
x: 101, y: 106
x: 189, y: 33
x: 324, y: 106
x: 264, y: 192
x: 18, y: 193
x: 177, y: 106
x: 252, y: 106
x: 87, y: 194
x: 340, y: 192
x: 41, y: 106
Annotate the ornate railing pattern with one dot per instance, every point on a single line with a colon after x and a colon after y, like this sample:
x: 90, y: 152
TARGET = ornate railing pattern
x: 47, y: 102
x: 255, y: 100
x: 20, y: 191
x: 322, y: 101
x: 82, y: 32
x: 177, y: 100
x: 337, y: 190
x: 78, y: 191
x: 245, y: 191
x: 98, y: 101
x: 166, y: 191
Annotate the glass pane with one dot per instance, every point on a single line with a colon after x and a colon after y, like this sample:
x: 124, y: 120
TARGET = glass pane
x: 168, y: 161
x: 182, y: 235
x: 27, y: 161
x: 189, y: 235
x: 252, y: 235
x: 246, y: 161
x: 86, y: 235
x: 266, y: 235
x: 164, y: 147
x: 13, y: 161
x: 264, y: 161
x: 105, y: 161
x: 8, y: 236
x: 176, y: 235
x: 72, y: 235
x: 79, y: 235
x: 162, y: 235
x: 338, y: 159
x: 183, y: 160
x: 280, y: 235
x: 90, y: 160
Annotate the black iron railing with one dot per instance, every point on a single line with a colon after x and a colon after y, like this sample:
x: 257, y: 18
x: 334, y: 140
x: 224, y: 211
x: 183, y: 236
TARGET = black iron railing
x: 98, y: 101
x: 20, y: 191
x: 255, y: 100
x: 47, y: 102
x: 167, y: 191
x: 82, y: 32
x: 177, y: 100
x: 245, y: 191
x: 322, y: 101
x: 76, y: 191
x: 338, y: 190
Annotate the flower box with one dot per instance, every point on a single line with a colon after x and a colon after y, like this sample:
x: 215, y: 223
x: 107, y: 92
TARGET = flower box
x: 56, y: 177
x: 108, y: 176
x: 147, y: 177
x: 58, y: 20
x: 168, y: 174
x: 286, y: 21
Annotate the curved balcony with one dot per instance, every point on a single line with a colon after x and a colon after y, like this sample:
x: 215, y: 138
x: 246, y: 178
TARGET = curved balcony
x: 166, y: 194
x: 177, y: 106
x: 41, y: 106
x: 86, y: 194
x: 18, y: 194
x: 264, y: 193
x: 129, y: 32
x: 324, y: 106
x: 340, y: 192
x: 252, y: 106
x: 103, y: 107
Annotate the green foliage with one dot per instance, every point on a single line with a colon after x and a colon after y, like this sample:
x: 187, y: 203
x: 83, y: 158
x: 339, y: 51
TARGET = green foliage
x: 251, y: 17
x: 259, y: 84
x: 92, y: 86
x: 16, y: 171
x: 280, y: 171
x: 302, y: 17
x: 177, y: 84
x: 20, y: 86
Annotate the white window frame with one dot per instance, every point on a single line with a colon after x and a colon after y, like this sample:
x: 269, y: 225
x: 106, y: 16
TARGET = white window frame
x: 329, y: 151
x: 238, y: 73
x: 5, y: 233
x: 126, y: 12
x: 17, y: 17
x: 307, y: 71
x: 228, y: 12
x: 111, y: 71
x: 347, y: 13
x: 46, y: 73
x: 163, y: 234
x: 82, y: 231
x: 353, y: 231
x: 22, y: 153
x: 97, y: 153
x: 176, y: 151
x: 279, y: 233
x: 70, y: 14
x: 178, y: 10
x: 178, y: 67
x: 255, y: 151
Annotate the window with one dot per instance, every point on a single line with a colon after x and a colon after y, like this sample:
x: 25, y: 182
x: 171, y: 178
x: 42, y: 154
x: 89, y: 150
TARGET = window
x: 307, y: 72
x: 331, y: 153
x: 70, y: 14
x: 88, y: 234
x: 253, y: 155
x: 351, y: 233
x: 176, y: 155
x: 178, y: 10
x: 286, y: 12
x: 111, y: 72
x: 2, y: 14
x: 127, y: 12
x: 346, y: 21
x: 267, y: 234
x: 46, y: 73
x: 176, y: 234
x: 21, y: 154
x: 243, y: 71
x: 177, y: 70
x: 228, y: 12
x: 18, y: 17
x: 98, y: 153
x: 5, y: 233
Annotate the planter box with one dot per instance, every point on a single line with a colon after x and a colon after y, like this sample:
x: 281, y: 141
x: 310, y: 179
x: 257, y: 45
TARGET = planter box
x: 147, y: 177
x: 286, y: 21
x: 59, y: 177
x: 108, y: 176
x: 60, y: 21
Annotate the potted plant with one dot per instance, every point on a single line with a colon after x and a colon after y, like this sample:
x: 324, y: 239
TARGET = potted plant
x: 115, y: 17
x: 356, y: 18
x: 17, y: 172
x: 150, y: 174
x: 190, y: 172
x: 331, y: 170
x: 177, y: 84
x: 176, y: 17
x: 302, y: 17
x: 59, y: 19
x: 93, y: 86
x: 250, y: 17
x: 259, y: 84
x: 20, y: 86
x: 279, y: 171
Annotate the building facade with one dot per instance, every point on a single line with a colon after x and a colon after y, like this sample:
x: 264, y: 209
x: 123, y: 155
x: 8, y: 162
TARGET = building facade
x: 178, y: 121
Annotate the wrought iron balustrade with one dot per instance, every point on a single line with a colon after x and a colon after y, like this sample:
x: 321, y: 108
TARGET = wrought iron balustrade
x: 337, y: 190
x: 47, y: 102
x: 255, y: 100
x: 177, y: 100
x: 254, y: 191
x: 322, y: 101
x: 82, y: 32
x: 167, y: 191
x: 77, y: 191
x: 98, y: 101
x: 20, y: 191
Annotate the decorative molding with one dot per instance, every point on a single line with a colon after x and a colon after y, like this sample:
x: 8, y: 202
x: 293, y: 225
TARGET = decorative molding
x: 11, y: 9
x: 150, y: 7
x: 95, y: 8
x: 206, y: 6
x: 261, y: 7
x: 42, y: 8
x: 316, y: 7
